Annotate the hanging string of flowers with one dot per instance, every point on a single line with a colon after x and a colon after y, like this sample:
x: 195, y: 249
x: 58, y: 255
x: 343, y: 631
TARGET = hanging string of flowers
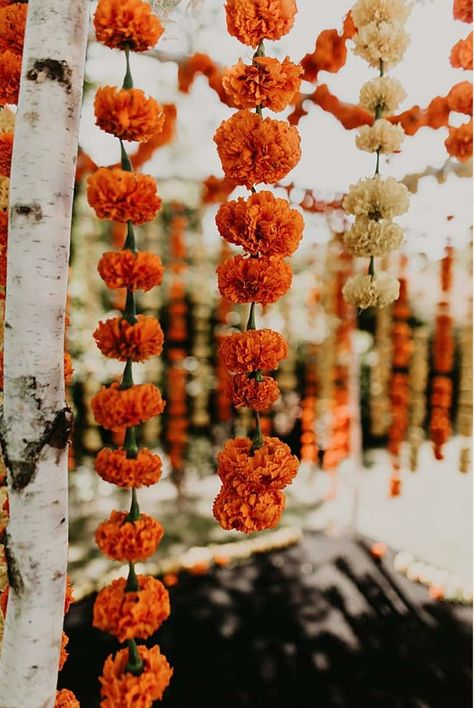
x: 254, y: 149
x: 135, y: 607
x: 464, y: 416
x: 459, y: 140
x: 418, y: 380
x: 379, y: 403
x: 381, y: 40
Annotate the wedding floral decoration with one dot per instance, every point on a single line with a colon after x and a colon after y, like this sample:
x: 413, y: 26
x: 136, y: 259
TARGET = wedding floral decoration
x: 254, y: 149
x: 459, y: 140
x: 134, y: 607
x: 418, y: 380
x: 381, y: 39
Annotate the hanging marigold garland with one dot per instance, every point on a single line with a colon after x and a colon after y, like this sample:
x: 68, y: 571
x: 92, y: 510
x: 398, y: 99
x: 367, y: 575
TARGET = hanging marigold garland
x: 131, y: 608
x: 464, y: 416
x: 418, y: 380
x: 254, y: 149
x: 459, y: 140
x: 381, y: 40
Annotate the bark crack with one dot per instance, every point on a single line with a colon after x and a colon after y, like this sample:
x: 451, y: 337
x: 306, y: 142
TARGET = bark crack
x: 53, y: 70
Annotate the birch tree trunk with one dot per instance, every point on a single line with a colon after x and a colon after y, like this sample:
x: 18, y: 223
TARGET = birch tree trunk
x: 36, y: 420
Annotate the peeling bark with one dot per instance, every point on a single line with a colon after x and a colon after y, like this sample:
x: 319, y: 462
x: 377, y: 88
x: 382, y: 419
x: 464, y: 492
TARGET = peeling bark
x: 36, y: 422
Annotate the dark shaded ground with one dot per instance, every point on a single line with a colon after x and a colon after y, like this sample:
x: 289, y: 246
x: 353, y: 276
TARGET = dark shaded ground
x: 319, y: 624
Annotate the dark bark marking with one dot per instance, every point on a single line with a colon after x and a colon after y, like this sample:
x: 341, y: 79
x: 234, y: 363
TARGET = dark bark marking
x: 51, y: 69
x: 31, y: 211
x: 15, y: 580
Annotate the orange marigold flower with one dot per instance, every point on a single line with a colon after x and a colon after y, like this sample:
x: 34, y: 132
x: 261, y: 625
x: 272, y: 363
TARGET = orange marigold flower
x: 69, y: 597
x: 63, y: 653
x: 115, y: 408
x: 135, y: 271
x: 66, y: 699
x: 10, y: 72
x: 255, y: 349
x: 261, y: 224
x: 249, y: 392
x: 121, y: 688
x: 462, y: 10
x: 115, y: 467
x: 253, y: 149
x: 130, y: 541
x: 459, y: 142
x: 12, y: 27
x: 128, y: 113
x: 130, y: 614
x: 119, y: 195
x: 127, y: 24
x: 249, y: 510
x: 267, y: 82
x: 460, y: 98
x: 271, y: 466
x: 461, y: 54
x: 264, y: 280
x: 253, y: 20
x: 119, y: 339
x: 6, y: 148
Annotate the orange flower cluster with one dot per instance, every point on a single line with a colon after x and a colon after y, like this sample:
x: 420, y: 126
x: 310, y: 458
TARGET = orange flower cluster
x: 131, y: 613
x: 116, y: 467
x: 252, y: 21
x: 119, y: 687
x: 253, y: 149
x: 6, y: 149
x: 264, y: 280
x: 269, y: 467
x: 248, y: 511
x: 130, y: 541
x: 267, y: 82
x: 262, y: 224
x: 253, y: 350
x: 309, y: 448
x: 462, y: 10
x: 459, y: 142
x: 135, y: 341
x: 66, y: 699
x: 12, y: 32
x: 134, y: 607
x: 129, y: 24
x: 461, y: 54
x: 128, y: 113
x: 246, y: 391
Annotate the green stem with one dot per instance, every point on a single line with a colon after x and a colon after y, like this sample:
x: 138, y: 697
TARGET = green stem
x: 130, y: 243
x: 134, y: 664
x: 132, y: 580
x: 127, y: 81
x: 257, y: 436
x: 371, y: 266
x: 130, y: 312
x: 381, y: 68
x: 260, y: 52
x: 377, y: 163
x: 130, y: 443
x: 251, y: 320
x: 124, y: 159
x: 127, y: 378
x: 134, y: 513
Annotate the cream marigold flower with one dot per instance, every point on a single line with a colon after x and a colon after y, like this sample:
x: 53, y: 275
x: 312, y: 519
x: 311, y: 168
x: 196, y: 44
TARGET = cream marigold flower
x: 4, y: 191
x: 365, y: 291
x: 366, y: 11
x: 382, y: 136
x: 384, y: 93
x: 7, y: 120
x: 386, y: 42
x: 377, y: 198
x: 373, y: 238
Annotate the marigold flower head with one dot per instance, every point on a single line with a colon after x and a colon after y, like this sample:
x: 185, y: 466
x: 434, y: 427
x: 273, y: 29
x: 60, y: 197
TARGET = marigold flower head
x: 462, y: 10
x: 264, y: 280
x: 253, y: 149
x: 262, y: 224
x: 253, y: 20
x: 7, y: 120
x: 366, y: 11
x: 383, y: 137
x: 267, y: 82
x: 248, y: 510
x: 128, y: 113
x: 271, y: 466
x: 365, y: 291
x: 460, y: 98
x: 119, y: 195
x: 120, y: 339
x: 12, y: 27
x: 255, y: 349
x: 141, y: 471
x: 10, y: 73
x: 384, y: 93
x: 373, y: 238
x: 66, y: 699
x: 459, y: 142
x: 130, y: 614
x: 134, y: 271
x: 4, y: 192
x: 128, y: 24
x: 121, y: 688
x: 377, y: 198
x: 461, y: 54
x: 130, y: 541
x: 385, y: 41
x: 115, y: 408
x: 63, y: 655
x: 250, y: 392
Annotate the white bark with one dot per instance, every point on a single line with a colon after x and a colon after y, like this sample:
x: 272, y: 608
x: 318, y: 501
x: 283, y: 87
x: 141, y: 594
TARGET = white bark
x: 36, y: 420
